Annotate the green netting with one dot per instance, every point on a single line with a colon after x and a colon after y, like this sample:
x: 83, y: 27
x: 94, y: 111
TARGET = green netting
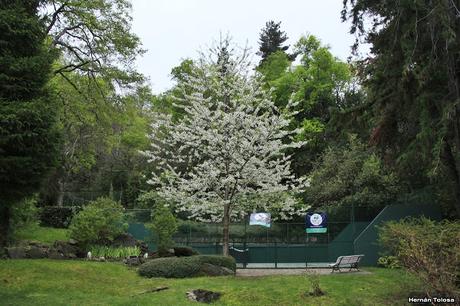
x: 350, y: 231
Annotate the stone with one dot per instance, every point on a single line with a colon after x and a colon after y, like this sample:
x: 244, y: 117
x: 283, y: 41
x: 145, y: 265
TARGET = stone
x: 66, y: 249
x: 203, y: 296
x: 73, y: 242
x: 213, y: 270
x: 133, y: 261
x: 53, y: 254
x: 37, y: 252
x: 17, y: 252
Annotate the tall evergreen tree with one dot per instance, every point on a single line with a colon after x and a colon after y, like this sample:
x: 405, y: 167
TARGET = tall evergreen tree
x: 28, y: 134
x: 271, y: 39
x: 413, y: 81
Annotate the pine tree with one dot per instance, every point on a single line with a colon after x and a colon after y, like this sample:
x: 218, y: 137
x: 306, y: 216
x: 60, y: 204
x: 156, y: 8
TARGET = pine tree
x: 28, y: 134
x: 271, y: 39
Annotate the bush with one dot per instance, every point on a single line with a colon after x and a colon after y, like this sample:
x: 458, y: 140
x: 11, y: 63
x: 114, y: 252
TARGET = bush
x: 180, y: 267
x: 58, y: 217
x: 164, y: 225
x: 390, y: 262
x: 427, y: 249
x: 217, y: 260
x: 24, y: 214
x: 100, y: 220
x: 184, y: 251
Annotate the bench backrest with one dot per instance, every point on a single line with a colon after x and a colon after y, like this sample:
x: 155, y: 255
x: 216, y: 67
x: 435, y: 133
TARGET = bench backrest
x: 351, y: 259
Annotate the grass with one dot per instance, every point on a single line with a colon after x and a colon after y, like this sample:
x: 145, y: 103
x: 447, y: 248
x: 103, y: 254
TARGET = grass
x: 48, y: 282
x: 45, y: 235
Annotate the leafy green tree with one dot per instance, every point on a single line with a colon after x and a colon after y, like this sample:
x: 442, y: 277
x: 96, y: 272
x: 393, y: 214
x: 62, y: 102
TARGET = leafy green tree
x: 413, y: 81
x: 271, y: 39
x: 29, y: 137
x: 320, y: 84
x: 351, y: 175
x: 94, y: 37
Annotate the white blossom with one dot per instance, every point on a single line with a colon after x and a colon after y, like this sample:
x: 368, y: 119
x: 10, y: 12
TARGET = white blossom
x: 229, y: 148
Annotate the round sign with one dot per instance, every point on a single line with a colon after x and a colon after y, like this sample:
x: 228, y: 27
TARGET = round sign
x: 316, y: 219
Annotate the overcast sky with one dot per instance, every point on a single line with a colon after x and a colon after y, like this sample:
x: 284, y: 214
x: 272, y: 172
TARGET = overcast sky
x: 172, y: 30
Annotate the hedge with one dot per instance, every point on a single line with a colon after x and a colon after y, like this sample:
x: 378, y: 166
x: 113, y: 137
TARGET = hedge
x: 180, y: 267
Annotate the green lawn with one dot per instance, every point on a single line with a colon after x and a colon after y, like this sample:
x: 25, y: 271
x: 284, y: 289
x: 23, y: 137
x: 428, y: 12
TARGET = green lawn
x: 46, y: 235
x: 48, y: 282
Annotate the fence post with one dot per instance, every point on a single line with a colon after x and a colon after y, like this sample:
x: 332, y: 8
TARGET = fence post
x: 276, y: 255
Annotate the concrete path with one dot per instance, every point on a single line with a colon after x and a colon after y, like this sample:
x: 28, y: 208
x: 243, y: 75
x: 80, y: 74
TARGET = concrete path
x: 266, y: 272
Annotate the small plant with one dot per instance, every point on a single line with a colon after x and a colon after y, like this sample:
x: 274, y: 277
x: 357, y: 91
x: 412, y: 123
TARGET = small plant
x: 113, y: 253
x: 315, y: 287
x: 163, y: 225
x: 100, y: 220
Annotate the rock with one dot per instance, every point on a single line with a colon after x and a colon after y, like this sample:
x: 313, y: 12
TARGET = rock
x: 133, y: 261
x: 73, y: 242
x: 53, y: 254
x: 37, y: 252
x: 66, y: 249
x: 203, y: 296
x: 124, y: 240
x: 212, y: 270
x: 17, y: 252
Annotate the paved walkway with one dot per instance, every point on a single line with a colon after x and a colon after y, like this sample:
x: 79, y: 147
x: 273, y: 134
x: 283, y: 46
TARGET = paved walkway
x: 266, y: 272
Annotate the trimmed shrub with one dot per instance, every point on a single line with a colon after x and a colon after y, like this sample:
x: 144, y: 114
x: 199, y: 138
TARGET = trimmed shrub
x: 171, y: 267
x: 180, y: 267
x: 217, y: 260
x: 100, y: 220
x: 427, y: 249
x: 184, y: 251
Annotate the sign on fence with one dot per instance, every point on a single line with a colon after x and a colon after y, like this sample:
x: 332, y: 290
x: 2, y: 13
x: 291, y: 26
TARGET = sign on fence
x: 263, y: 219
x: 316, y: 223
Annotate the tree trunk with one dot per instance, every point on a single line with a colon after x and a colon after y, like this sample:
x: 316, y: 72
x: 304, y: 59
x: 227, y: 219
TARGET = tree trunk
x: 60, y: 197
x: 226, y: 231
x: 4, y: 225
x: 451, y: 165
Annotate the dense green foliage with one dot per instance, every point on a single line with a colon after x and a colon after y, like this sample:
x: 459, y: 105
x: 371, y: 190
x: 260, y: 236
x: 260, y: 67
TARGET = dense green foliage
x: 100, y: 221
x: 320, y: 85
x: 163, y: 226
x: 58, y: 217
x: 351, y: 175
x: 413, y: 78
x: 429, y: 250
x: 180, y: 267
x: 29, y: 137
x: 51, y: 282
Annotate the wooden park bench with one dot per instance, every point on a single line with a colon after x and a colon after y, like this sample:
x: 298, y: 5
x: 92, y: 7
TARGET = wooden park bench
x: 351, y: 262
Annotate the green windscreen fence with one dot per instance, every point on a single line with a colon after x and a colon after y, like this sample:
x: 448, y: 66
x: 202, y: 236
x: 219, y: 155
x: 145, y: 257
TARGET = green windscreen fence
x: 367, y: 241
x: 286, y: 244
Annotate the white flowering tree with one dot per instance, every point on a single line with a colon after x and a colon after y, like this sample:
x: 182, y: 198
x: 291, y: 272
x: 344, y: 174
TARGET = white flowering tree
x: 226, y: 156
